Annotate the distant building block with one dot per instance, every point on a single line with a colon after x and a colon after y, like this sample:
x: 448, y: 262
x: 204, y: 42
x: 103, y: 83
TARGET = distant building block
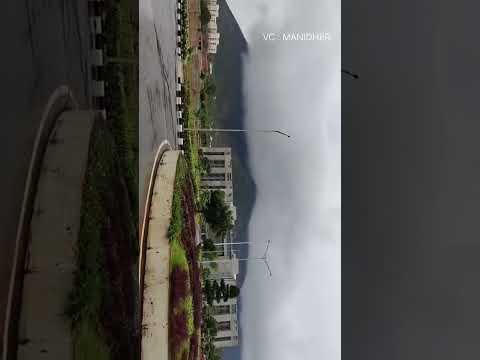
x: 97, y: 57
x: 96, y: 24
x: 98, y: 88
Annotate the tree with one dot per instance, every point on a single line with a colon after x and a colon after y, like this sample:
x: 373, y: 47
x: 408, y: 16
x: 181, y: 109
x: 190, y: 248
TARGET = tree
x: 226, y: 293
x: 234, y: 291
x: 209, y: 245
x: 204, y: 13
x: 204, y: 198
x: 206, y: 165
x: 218, y: 291
x: 218, y: 215
x: 223, y: 290
x: 209, y: 292
x: 210, y: 87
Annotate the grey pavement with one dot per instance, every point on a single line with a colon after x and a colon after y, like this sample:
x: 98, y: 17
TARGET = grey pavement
x: 157, y: 58
x: 157, y: 262
x: 45, y: 46
x: 44, y: 330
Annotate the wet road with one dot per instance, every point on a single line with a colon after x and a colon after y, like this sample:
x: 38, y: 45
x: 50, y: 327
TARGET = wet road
x: 45, y: 46
x: 157, y: 81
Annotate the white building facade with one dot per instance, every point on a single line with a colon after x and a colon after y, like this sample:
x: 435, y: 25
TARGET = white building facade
x: 227, y: 265
x: 225, y: 312
x: 213, y: 36
x: 220, y: 174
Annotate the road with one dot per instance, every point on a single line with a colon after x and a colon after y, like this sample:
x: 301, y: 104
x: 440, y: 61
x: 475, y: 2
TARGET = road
x: 157, y: 58
x: 46, y: 46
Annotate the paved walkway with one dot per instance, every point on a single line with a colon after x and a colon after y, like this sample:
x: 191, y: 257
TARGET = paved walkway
x: 157, y: 262
x: 43, y: 330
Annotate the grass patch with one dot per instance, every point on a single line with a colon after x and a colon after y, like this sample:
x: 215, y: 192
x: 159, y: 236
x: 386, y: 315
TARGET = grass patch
x: 178, y: 256
x: 191, y: 143
x: 187, y: 307
x: 101, y: 303
x: 176, y: 222
x: 88, y: 345
x: 183, y: 323
x: 122, y: 89
x: 85, y: 300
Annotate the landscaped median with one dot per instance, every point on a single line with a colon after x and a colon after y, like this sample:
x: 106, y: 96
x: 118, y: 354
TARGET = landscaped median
x: 172, y: 294
x: 185, y: 285
x: 102, y: 303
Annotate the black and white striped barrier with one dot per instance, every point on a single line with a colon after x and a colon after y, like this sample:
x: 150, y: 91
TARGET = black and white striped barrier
x: 180, y: 133
x: 179, y: 80
x: 97, y: 43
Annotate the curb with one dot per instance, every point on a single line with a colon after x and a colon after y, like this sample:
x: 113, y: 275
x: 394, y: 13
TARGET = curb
x: 155, y: 296
x: 164, y: 146
x: 50, y: 260
x: 61, y: 100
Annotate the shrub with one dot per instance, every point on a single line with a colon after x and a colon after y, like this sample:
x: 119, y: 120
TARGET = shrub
x: 178, y: 331
x: 217, y: 214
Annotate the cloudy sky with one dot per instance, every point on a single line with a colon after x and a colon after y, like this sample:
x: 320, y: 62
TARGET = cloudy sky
x: 293, y: 86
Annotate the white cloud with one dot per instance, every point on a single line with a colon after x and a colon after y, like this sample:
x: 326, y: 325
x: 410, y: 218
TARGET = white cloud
x: 293, y: 86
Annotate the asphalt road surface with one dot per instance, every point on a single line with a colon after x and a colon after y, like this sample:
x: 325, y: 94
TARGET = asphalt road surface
x: 45, y: 45
x: 157, y: 58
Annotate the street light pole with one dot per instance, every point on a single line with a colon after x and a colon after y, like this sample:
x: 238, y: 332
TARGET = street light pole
x: 237, y: 130
x: 262, y: 258
x: 232, y: 243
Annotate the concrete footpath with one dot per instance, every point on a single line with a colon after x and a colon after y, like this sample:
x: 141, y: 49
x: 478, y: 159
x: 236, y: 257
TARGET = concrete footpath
x: 157, y: 262
x: 44, y: 330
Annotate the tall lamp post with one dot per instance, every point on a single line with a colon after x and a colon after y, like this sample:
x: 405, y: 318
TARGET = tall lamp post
x: 238, y: 130
x: 263, y: 258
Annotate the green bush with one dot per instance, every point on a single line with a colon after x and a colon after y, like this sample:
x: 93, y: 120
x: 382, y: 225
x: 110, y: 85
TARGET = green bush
x: 217, y: 214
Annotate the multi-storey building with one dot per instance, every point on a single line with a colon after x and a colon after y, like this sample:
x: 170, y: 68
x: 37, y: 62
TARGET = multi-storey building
x: 225, y: 312
x: 219, y: 176
x: 213, y: 37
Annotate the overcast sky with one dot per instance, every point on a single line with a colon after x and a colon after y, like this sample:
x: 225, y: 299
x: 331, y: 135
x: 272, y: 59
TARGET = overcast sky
x: 293, y: 86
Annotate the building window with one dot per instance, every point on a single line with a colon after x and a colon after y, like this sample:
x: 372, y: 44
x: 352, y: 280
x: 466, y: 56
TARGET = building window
x: 216, y: 187
x: 214, y: 177
x: 224, y: 338
x: 234, y: 309
x: 217, y: 163
x: 223, y: 325
x: 221, y: 310
x: 211, y: 153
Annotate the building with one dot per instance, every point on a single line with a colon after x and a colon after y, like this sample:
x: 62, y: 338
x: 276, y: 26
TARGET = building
x: 220, y: 178
x: 220, y: 173
x: 225, y: 312
x: 213, y: 37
